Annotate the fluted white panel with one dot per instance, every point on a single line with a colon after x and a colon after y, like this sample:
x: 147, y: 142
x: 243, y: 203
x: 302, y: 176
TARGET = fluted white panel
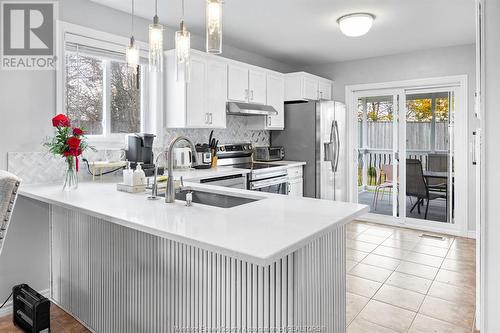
x: 115, y: 279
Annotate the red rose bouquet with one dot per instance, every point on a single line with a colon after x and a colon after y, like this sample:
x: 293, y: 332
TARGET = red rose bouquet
x: 69, y: 142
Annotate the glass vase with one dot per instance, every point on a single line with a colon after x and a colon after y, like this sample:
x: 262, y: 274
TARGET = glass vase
x: 70, y: 175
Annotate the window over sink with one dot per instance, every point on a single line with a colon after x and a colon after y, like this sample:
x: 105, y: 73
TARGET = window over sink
x: 97, y: 89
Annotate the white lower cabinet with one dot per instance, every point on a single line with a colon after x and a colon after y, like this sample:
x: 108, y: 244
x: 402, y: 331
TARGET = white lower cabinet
x: 296, y: 187
x: 296, y: 181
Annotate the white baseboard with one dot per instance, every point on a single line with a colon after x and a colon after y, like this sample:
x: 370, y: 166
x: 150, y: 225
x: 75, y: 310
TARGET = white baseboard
x: 7, y: 309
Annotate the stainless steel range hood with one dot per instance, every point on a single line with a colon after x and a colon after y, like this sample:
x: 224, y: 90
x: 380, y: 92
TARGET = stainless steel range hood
x: 247, y: 109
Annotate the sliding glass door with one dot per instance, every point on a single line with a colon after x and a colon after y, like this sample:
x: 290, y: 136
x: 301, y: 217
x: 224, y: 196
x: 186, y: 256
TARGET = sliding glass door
x: 405, y: 155
x: 377, y: 151
x: 429, y: 123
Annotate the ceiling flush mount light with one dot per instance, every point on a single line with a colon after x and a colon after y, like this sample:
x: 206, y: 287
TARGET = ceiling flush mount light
x: 214, y: 26
x: 356, y: 24
x: 156, y: 43
x: 183, y: 50
x: 132, y: 52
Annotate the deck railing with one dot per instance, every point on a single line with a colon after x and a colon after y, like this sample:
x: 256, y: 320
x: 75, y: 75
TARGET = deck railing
x: 370, y: 161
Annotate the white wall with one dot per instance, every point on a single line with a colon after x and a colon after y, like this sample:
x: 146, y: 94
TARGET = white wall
x: 490, y: 180
x: 456, y: 60
x: 27, y: 103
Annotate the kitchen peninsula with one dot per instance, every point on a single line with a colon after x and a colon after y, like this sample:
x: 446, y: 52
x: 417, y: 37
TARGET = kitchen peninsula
x: 122, y: 263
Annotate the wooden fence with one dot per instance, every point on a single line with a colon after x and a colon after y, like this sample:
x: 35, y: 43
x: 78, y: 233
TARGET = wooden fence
x: 419, y: 144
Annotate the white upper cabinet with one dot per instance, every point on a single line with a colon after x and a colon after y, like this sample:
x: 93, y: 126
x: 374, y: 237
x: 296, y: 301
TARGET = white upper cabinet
x: 246, y: 84
x: 196, y: 108
x: 302, y: 86
x: 310, y: 88
x: 237, y: 83
x: 276, y: 98
x: 217, y: 93
x: 325, y: 89
x: 201, y: 102
x: 257, y: 86
x: 214, y: 81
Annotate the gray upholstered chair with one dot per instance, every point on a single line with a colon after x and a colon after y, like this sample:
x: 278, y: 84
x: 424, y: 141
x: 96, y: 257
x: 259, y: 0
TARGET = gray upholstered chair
x: 9, y: 184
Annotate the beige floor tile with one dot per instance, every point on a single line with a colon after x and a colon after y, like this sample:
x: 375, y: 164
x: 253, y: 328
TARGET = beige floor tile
x: 362, y: 287
x: 356, y: 227
x: 406, y: 236
x: 459, y: 266
x: 430, y: 250
x: 424, y: 259
x: 423, y: 271
x: 463, y: 244
x: 363, y: 326
x: 381, y: 261
x: 424, y: 324
x: 452, y: 293
x: 349, y: 264
x: 387, y: 315
x: 444, y: 243
x: 400, y: 244
x: 370, y: 238
x: 463, y: 280
x: 380, y: 232
x: 410, y: 282
x: 456, y: 314
x: 462, y: 255
x: 355, y: 255
x: 403, y: 298
x: 361, y: 246
x: 371, y: 272
x: 355, y: 303
x: 351, y: 234
x: 391, y: 252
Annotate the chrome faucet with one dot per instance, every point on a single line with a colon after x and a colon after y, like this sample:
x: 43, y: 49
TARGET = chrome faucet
x: 154, y: 189
x: 170, y: 192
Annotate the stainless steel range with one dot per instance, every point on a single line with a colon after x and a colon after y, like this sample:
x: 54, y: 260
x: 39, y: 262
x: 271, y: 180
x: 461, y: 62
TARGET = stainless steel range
x: 264, y: 177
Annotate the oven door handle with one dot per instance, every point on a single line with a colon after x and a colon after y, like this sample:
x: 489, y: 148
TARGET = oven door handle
x: 280, y: 172
x: 268, y: 182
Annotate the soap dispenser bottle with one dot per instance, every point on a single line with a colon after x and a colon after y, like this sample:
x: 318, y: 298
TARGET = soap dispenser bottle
x: 128, y: 175
x: 139, y: 176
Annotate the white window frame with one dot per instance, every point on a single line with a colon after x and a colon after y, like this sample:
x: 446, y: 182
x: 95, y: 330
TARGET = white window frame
x: 98, y: 39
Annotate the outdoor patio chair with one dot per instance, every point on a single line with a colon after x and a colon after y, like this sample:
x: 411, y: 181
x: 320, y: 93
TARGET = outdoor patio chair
x: 416, y: 186
x: 437, y: 162
x: 386, y: 169
x: 9, y: 184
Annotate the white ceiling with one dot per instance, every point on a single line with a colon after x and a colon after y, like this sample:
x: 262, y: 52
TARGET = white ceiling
x: 306, y: 31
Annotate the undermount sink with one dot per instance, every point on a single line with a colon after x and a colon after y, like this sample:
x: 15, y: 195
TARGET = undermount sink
x: 214, y: 199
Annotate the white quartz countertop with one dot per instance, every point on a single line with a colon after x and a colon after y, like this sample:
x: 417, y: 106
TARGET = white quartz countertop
x: 259, y: 232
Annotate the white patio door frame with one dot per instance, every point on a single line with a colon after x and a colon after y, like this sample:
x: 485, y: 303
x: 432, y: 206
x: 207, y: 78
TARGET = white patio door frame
x: 399, y: 89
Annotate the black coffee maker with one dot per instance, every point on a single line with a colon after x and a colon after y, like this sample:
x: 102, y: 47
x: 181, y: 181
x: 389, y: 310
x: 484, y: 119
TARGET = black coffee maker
x: 140, y: 150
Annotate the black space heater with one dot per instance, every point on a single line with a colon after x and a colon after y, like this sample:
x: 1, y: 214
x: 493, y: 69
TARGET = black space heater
x: 31, y: 310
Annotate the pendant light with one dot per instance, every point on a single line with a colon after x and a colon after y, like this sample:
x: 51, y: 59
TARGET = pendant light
x: 214, y: 26
x: 132, y: 53
x: 183, y: 51
x: 156, y: 43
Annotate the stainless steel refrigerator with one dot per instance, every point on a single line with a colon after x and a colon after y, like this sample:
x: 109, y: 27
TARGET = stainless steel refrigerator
x: 315, y: 132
